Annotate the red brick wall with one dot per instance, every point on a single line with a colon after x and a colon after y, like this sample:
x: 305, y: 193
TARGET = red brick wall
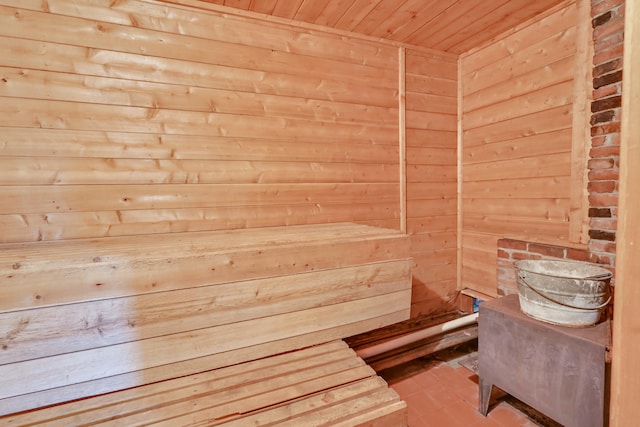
x: 608, y: 35
x: 604, y: 156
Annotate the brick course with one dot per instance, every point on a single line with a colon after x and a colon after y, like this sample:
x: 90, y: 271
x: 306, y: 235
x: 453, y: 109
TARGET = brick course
x: 608, y: 34
x: 511, y: 250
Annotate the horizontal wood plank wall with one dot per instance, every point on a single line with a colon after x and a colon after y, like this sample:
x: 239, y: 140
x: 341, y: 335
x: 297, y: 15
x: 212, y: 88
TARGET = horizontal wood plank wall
x: 431, y: 117
x: 517, y: 141
x: 136, y: 117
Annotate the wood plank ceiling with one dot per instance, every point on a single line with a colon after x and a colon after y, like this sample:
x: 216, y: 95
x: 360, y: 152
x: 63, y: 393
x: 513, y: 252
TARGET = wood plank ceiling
x: 447, y: 25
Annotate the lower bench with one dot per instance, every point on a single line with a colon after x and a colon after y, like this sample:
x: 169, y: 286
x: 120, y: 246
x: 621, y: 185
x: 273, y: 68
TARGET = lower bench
x: 180, y: 326
x: 326, y: 384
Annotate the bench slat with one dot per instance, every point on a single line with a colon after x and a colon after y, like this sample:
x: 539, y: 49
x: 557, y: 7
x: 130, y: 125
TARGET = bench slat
x: 160, y: 373
x: 299, y: 408
x: 89, y: 317
x: 107, y: 322
x: 302, y: 383
x: 383, y: 404
x: 352, y: 404
x: 96, y: 403
x: 56, y: 371
x: 36, y: 280
x: 324, y: 383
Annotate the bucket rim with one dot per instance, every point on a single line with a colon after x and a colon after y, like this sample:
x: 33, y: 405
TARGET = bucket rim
x: 605, y: 275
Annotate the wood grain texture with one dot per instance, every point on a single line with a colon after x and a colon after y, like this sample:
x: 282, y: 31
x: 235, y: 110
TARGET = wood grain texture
x: 83, y: 325
x: 106, y: 105
x: 583, y: 96
x: 325, y: 382
x: 446, y: 25
x: 75, y: 225
x: 402, y: 135
x: 431, y: 178
x: 131, y: 39
x: 101, y: 312
x: 231, y: 142
x: 625, y: 389
x: 518, y: 133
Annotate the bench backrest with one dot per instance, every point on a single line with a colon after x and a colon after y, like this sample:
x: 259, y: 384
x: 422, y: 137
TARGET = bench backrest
x: 86, y: 317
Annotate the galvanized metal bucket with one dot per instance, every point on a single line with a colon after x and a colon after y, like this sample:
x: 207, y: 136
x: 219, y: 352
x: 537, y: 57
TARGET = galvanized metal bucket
x: 567, y: 293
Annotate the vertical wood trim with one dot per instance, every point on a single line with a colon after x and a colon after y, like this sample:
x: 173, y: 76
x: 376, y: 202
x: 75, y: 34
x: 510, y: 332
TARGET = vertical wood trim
x: 581, y: 141
x: 402, y: 123
x: 459, y: 180
x: 625, y: 383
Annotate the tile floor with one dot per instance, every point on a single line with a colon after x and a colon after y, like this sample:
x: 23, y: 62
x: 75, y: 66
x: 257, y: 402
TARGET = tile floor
x: 442, y: 393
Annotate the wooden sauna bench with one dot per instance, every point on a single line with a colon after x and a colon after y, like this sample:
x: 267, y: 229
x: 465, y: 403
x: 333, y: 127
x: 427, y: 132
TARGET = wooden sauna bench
x: 232, y: 328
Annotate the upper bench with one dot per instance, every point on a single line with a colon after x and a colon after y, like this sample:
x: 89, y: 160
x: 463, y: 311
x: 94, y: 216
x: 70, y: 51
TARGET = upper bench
x: 85, y: 317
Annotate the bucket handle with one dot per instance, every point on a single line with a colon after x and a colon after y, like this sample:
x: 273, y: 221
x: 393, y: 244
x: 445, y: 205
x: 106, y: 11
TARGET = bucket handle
x: 604, y: 304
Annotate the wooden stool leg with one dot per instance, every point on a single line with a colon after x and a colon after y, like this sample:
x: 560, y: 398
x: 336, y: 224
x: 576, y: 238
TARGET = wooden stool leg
x: 484, y: 391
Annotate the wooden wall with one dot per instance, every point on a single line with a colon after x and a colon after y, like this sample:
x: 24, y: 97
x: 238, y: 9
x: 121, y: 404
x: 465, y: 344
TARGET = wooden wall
x: 519, y: 151
x: 137, y: 117
x: 625, y: 383
x: 431, y: 138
